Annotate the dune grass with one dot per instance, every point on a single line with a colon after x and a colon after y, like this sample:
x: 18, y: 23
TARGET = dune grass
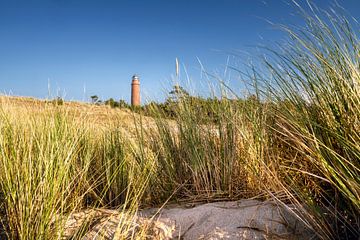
x: 317, y: 89
x: 296, y: 141
x: 53, y: 164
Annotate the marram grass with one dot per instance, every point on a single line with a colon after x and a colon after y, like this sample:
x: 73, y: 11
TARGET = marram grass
x: 296, y: 141
x: 53, y: 164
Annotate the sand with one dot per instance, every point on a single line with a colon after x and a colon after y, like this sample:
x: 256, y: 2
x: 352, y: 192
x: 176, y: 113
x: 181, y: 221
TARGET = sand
x: 244, y: 219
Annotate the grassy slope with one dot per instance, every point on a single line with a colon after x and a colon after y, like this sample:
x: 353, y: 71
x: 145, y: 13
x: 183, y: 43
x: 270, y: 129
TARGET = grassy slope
x: 57, y: 159
x: 299, y: 145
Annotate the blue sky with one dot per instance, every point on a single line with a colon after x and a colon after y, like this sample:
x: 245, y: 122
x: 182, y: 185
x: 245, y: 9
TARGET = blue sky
x: 100, y: 44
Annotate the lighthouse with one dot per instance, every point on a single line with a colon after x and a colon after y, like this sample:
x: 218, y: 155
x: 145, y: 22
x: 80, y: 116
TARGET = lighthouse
x: 135, y: 91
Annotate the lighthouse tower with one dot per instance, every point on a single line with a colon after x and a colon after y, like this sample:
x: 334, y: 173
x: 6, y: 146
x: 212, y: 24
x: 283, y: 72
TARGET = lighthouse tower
x: 135, y: 91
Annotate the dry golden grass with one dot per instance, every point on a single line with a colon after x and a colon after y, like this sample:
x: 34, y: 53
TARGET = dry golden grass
x: 98, y: 116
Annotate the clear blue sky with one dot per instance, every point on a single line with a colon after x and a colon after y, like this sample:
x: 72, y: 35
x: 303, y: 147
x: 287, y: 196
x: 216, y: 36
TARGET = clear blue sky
x: 101, y: 44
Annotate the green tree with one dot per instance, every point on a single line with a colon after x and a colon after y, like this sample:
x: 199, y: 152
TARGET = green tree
x: 94, y: 99
x: 178, y: 93
x: 111, y: 102
x: 123, y: 104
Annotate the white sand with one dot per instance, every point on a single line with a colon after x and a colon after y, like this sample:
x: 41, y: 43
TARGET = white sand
x: 245, y: 219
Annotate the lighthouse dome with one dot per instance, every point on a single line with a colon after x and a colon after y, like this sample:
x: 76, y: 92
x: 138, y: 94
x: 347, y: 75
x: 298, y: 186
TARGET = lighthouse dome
x: 135, y: 77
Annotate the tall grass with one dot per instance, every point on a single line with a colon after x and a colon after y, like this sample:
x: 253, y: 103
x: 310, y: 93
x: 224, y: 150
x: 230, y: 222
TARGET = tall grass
x: 317, y: 92
x: 39, y: 175
x: 52, y: 164
x: 226, y: 156
x: 296, y: 140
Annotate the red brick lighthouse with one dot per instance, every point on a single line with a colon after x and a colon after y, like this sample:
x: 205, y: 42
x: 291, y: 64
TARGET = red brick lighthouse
x: 135, y: 91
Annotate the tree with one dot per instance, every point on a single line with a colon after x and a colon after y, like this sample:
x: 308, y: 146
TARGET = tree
x: 94, y: 99
x: 178, y: 93
x: 111, y: 102
x: 123, y: 104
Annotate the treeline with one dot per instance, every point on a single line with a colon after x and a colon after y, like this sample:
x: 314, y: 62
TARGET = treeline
x: 207, y: 108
